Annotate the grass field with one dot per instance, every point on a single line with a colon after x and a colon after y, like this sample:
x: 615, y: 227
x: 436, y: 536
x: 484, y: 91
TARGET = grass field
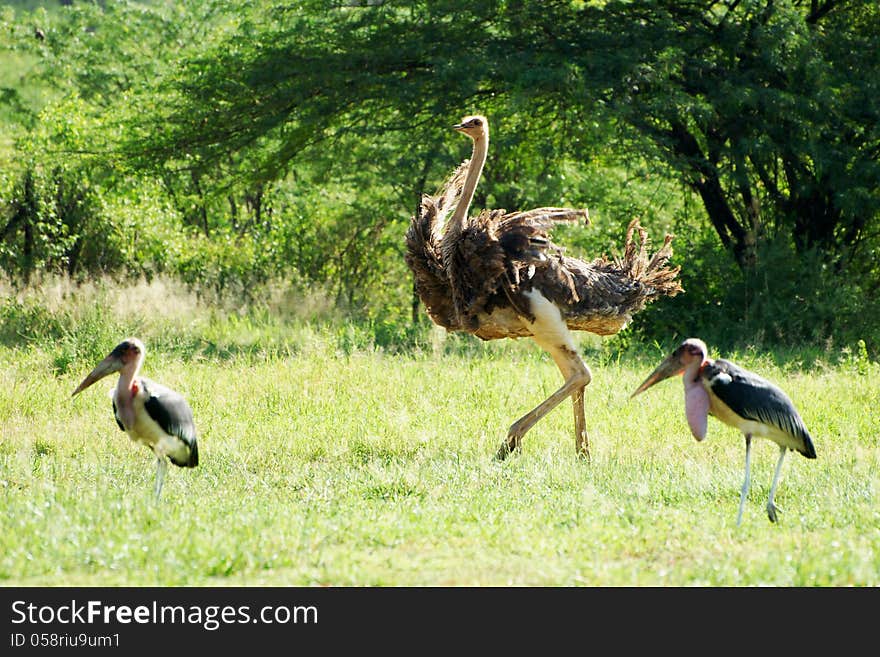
x: 323, y: 465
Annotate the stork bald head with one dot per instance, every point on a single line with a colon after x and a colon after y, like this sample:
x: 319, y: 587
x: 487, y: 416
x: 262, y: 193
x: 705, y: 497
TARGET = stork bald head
x: 689, y: 352
x: 127, y: 354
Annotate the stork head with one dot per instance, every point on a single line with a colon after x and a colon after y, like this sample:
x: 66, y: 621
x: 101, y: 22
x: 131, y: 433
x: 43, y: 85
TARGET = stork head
x: 128, y: 354
x: 690, y: 354
x: 475, y: 127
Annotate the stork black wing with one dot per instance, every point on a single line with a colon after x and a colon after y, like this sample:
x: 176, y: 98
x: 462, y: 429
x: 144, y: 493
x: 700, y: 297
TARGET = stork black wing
x: 116, y: 416
x: 172, y: 412
x: 755, y: 398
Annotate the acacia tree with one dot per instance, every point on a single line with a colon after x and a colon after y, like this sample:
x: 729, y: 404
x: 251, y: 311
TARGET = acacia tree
x: 75, y: 67
x: 767, y: 108
x: 336, y: 98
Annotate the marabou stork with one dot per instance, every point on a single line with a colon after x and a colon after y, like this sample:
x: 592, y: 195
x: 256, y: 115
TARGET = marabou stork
x: 740, y: 399
x: 148, y: 412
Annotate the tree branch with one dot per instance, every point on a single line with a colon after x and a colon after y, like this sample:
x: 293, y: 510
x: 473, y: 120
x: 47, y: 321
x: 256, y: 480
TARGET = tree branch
x: 818, y: 11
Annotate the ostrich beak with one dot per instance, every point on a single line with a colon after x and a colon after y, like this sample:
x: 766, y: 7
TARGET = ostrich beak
x: 107, y: 366
x: 669, y: 367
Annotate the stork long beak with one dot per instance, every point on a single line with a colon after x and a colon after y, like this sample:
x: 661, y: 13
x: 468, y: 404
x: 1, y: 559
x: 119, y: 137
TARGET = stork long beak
x: 107, y: 366
x: 669, y: 367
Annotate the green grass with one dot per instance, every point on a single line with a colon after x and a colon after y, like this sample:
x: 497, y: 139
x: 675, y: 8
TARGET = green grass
x: 323, y: 465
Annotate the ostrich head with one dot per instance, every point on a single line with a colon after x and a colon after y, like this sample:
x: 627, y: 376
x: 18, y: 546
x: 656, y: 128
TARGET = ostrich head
x: 474, y: 127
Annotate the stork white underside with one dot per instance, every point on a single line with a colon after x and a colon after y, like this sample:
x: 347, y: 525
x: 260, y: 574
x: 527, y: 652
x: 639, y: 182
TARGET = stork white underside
x: 148, y: 432
x: 756, y: 429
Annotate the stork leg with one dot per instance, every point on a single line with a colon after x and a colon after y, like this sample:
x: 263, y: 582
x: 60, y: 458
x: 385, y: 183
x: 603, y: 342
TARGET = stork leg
x: 551, y: 333
x: 161, y: 467
x: 745, y: 487
x: 772, y: 508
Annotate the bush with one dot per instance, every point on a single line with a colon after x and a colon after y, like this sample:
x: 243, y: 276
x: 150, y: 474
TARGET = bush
x: 785, y: 301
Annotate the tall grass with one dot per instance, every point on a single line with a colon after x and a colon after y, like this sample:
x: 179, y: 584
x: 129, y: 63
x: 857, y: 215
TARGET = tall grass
x: 329, y: 460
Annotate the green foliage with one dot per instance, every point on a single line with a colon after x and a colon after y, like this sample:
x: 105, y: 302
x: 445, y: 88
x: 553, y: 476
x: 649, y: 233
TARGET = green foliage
x: 763, y: 122
x: 238, y: 145
x: 21, y: 323
x: 789, y: 301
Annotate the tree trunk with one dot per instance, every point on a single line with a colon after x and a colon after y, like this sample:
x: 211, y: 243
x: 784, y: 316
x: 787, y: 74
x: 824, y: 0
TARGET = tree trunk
x: 201, y: 210
x: 28, y: 212
x: 734, y: 236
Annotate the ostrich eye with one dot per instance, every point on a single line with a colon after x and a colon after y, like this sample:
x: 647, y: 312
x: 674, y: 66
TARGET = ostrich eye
x: 478, y: 122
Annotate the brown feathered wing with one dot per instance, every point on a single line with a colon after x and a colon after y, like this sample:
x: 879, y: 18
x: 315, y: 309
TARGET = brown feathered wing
x: 423, y: 255
x: 498, y: 257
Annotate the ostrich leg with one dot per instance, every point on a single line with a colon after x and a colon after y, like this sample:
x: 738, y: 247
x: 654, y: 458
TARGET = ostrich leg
x: 551, y: 333
x: 581, y: 442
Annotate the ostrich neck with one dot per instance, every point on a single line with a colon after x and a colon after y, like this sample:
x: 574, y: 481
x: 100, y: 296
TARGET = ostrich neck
x: 478, y: 159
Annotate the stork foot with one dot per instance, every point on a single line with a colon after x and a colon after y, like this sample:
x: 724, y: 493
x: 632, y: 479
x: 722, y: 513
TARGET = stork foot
x: 771, y: 511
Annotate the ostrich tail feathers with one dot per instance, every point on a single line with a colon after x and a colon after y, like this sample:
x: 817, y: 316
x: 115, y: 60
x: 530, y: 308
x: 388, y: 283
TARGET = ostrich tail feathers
x: 658, y: 279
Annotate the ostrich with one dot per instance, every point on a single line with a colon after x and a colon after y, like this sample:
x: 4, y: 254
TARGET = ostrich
x: 498, y: 275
